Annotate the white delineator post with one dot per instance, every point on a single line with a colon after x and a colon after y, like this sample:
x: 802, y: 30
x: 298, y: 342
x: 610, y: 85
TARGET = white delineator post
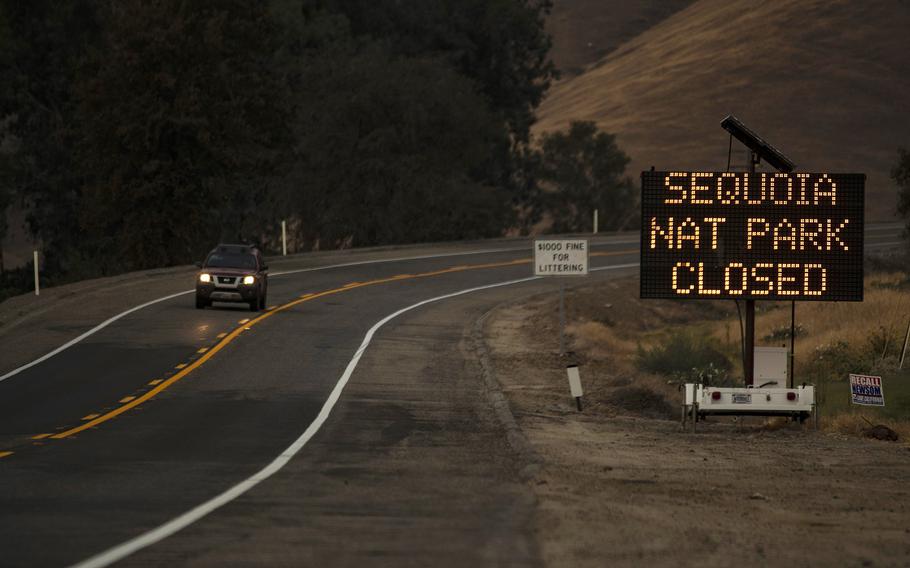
x: 595, y: 221
x: 37, y: 285
x: 575, y: 384
x: 284, y: 238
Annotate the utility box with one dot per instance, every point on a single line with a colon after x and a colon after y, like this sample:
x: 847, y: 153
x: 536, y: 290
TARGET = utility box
x: 771, y: 367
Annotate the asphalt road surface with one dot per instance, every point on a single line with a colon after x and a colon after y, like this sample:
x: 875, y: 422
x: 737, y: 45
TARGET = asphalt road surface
x: 349, y: 425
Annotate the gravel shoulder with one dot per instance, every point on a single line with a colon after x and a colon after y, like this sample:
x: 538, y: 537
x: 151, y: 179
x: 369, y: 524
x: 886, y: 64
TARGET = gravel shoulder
x: 619, y: 488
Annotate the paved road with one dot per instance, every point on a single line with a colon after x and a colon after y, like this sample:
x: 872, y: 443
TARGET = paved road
x: 168, y: 408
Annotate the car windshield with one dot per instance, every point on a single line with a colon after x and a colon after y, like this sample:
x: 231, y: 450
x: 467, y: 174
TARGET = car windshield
x: 230, y: 260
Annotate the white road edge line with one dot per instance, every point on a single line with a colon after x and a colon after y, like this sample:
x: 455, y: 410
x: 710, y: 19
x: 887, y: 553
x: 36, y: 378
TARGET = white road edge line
x: 90, y: 332
x: 179, y: 523
x: 111, y: 320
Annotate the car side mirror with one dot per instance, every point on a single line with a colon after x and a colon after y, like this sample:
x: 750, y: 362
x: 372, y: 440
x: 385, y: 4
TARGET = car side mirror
x: 198, y: 264
x: 265, y: 267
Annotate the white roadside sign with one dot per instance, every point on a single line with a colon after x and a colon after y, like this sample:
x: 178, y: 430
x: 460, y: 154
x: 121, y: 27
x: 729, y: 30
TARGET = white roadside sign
x: 561, y: 257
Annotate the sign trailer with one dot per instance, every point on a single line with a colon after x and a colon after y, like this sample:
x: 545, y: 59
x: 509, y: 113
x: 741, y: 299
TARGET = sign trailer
x: 751, y: 236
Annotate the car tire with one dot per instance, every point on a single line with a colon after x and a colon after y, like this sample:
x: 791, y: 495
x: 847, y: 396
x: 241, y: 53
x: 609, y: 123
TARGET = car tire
x: 254, y: 304
x: 202, y: 303
x: 262, y: 302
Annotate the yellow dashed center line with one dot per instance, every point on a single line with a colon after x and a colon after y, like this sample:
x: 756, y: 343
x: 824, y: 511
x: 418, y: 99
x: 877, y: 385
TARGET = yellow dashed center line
x: 4, y: 454
x: 90, y: 416
x: 42, y: 436
x: 186, y: 369
x: 127, y: 399
x: 221, y: 336
x: 202, y: 350
x: 156, y: 382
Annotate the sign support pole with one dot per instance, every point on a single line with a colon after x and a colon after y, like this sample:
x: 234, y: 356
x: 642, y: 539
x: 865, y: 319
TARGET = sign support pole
x: 561, y: 258
x: 904, y: 350
x: 284, y: 238
x: 791, y: 379
x: 562, y: 319
x: 749, y: 359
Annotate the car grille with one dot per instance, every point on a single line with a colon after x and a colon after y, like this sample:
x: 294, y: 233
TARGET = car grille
x: 227, y: 279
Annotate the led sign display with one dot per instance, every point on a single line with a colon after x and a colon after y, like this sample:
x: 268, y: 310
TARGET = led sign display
x: 757, y: 236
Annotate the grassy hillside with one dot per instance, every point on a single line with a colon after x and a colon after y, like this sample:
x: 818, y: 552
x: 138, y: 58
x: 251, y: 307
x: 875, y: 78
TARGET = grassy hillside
x: 826, y: 81
x: 587, y: 30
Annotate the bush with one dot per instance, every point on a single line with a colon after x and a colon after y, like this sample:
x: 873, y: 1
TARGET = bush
x: 834, y: 360
x: 782, y: 333
x: 685, y: 358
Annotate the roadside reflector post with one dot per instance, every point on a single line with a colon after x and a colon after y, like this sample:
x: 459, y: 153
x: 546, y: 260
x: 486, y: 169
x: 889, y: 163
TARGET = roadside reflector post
x: 284, y: 238
x: 37, y: 284
x: 595, y: 221
x: 575, y: 384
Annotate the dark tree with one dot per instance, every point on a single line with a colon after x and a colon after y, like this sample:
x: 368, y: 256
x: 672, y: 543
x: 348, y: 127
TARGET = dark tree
x: 500, y: 44
x: 42, y: 42
x: 182, y: 122
x: 582, y: 170
x: 394, y: 150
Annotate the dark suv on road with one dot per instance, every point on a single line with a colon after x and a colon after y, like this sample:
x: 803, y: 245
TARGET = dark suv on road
x: 232, y: 273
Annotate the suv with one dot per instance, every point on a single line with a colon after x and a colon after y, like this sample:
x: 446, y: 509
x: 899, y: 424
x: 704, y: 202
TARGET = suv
x: 232, y: 273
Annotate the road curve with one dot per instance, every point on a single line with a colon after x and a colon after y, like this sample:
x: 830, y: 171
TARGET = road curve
x: 346, y: 426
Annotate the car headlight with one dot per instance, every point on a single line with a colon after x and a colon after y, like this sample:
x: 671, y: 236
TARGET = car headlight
x: 249, y: 279
x: 205, y: 277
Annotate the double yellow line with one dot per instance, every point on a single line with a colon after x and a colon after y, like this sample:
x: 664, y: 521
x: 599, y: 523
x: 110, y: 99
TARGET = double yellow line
x: 164, y: 385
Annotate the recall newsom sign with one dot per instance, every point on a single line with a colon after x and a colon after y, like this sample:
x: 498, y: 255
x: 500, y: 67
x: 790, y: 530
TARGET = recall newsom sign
x: 759, y: 236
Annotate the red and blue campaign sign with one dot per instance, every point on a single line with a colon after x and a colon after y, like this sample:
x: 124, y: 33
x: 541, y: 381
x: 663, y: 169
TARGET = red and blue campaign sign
x: 867, y: 390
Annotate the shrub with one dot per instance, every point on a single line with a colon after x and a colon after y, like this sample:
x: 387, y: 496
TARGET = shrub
x: 834, y: 360
x: 685, y: 358
x: 782, y: 333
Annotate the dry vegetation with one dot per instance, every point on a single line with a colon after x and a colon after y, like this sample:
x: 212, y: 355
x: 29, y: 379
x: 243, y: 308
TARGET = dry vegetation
x: 618, y: 488
x: 610, y: 328
x: 819, y: 79
x: 587, y: 30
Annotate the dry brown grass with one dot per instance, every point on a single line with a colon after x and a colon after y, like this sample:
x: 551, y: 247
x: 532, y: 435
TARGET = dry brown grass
x: 820, y: 79
x: 824, y: 323
x: 608, y: 322
x: 584, y: 31
x: 853, y: 424
x: 600, y: 341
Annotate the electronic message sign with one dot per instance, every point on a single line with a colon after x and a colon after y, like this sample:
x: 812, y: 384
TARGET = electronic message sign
x: 755, y: 236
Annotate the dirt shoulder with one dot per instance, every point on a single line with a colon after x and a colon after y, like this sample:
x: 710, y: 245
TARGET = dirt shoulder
x: 621, y: 485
